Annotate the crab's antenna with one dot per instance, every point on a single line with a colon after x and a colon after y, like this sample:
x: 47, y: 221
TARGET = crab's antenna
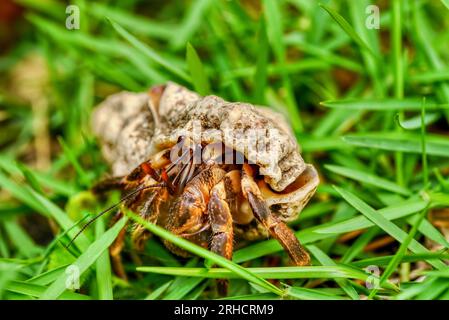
x: 110, y: 208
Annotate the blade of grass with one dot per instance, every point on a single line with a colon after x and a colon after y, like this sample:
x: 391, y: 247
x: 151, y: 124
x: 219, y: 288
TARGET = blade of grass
x: 316, y: 144
x: 18, y: 192
x: 192, y: 21
x: 386, y: 225
x: 387, y: 104
x: 432, y: 293
x: 41, y: 179
x: 6, y: 265
x: 185, y: 286
x: 23, y: 242
x: 48, y: 277
x: 297, y: 39
x: 428, y: 230
x: 148, y: 52
x: 320, y: 232
x: 359, y: 244
x: 368, y: 178
x: 4, y: 250
x: 197, y: 72
x: 393, y: 264
x: 85, y: 260
x: 405, y: 142
x: 161, y: 253
x: 424, y: 164
x: 30, y: 177
x: 196, y: 293
x: 445, y: 3
x: 107, y: 47
x: 415, y: 122
x: 47, y: 207
x: 49, y: 7
x: 274, y: 29
x: 312, y: 294
x: 437, y: 273
x: 82, y: 175
x: 430, y: 77
x: 348, y: 29
x: 260, y: 76
x: 37, y: 291
x: 44, y: 206
x: 325, y: 260
x: 422, y: 33
x: 275, y: 69
x: 182, y: 285
x: 256, y: 296
x: 103, y: 267
x: 138, y: 24
x: 370, y: 36
x: 393, y: 212
x: 416, y: 289
x: 398, y: 75
x: 219, y: 260
x: 385, y: 260
x: 159, y: 291
x: 403, y: 248
x: 335, y: 271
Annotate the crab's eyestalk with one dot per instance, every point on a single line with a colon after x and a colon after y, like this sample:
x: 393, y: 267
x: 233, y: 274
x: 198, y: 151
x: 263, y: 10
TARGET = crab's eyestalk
x: 155, y: 94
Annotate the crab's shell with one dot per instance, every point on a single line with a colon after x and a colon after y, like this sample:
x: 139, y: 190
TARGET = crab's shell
x: 127, y: 130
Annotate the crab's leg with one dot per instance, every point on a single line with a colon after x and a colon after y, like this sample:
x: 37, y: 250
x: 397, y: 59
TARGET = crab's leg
x: 108, y: 184
x: 149, y: 211
x: 187, y: 216
x: 221, y: 224
x: 146, y: 168
x: 149, y: 167
x: 274, y: 225
x: 116, y: 248
x: 191, y: 205
x: 149, y: 206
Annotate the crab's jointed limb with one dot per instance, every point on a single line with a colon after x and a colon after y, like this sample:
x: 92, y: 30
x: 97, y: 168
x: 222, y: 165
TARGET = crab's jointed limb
x: 273, y: 224
x: 222, y: 227
x: 116, y: 249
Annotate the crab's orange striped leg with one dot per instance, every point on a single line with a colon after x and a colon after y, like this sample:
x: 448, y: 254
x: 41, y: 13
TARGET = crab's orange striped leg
x: 146, y: 168
x: 116, y: 248
x: 222, y: 228
x: 149, y: 210
x: 108, y: 184
x: 274, y: 225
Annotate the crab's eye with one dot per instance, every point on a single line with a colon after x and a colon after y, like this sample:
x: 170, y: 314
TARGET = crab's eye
x: 179, y: 149
x: 213, y: 152
x: 181, y: 139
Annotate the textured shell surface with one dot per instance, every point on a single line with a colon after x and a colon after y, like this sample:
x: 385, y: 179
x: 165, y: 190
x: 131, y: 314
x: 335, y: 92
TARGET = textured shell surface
x: 129, y: 135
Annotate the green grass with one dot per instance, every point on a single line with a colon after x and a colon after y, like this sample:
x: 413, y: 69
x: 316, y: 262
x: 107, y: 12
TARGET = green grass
x: 370, y: 109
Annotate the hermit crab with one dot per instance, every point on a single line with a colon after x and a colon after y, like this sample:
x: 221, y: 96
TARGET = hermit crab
x: 210, y: 171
